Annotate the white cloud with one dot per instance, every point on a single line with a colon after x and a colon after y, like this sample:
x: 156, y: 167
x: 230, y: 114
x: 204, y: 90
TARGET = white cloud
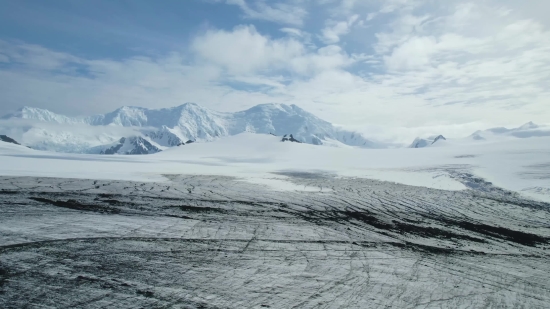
x: 34, y: 55
x: 280, y: 12
x: 334, y: 30
x: 293, y: 31
x: 245, y: 51
x: 469, y: 63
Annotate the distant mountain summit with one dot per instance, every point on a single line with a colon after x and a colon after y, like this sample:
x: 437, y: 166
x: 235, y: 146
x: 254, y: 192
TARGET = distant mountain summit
x: 38, y: 114
x: 425, y: 142
x: 528, y: 126
x: 527, y: 130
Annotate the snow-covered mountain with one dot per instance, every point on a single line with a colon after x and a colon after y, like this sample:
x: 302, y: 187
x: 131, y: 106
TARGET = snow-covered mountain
x: 426, y: 142
x: 135, y: 145
x: 169, y: 127
x: 527, y: 130
x: 44, y: 115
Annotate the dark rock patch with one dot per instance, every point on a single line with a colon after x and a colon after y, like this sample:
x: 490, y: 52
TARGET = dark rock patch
x: 290, y: 139
x: 7, y: 139
x: 75, y: 205
x: 522, y: 238
x: 144, y: 293
x: 9, y: 192
x: 200, y: 209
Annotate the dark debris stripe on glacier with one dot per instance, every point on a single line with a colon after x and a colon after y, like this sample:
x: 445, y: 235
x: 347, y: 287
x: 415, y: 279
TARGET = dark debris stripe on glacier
x: 218, y: 242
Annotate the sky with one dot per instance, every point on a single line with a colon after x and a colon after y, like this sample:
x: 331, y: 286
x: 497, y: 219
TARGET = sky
x: 453, y: 65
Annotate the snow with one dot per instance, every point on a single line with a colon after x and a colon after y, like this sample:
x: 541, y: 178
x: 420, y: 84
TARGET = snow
x: 519, y: 165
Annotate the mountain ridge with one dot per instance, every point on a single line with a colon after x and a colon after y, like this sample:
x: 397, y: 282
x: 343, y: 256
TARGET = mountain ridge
x: 169, y: 127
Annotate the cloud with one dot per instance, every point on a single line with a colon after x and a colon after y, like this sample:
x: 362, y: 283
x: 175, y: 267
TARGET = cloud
x: 468, y: 56
x: 243, y: 50
x: 293, y: 32
x: 279, y: 12
x: 333, y: 30
x: 34, y: 56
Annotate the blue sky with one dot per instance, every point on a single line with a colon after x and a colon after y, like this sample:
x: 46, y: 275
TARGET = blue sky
x: 408, y: 63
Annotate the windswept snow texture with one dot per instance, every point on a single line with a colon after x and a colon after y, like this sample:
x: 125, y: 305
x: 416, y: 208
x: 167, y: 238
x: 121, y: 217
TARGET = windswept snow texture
x: 215, y: 242
x: 170, y: 127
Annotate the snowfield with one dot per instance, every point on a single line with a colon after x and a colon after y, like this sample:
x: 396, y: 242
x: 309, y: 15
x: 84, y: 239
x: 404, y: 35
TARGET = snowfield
x: 248, y: 221
x: 520, y: 165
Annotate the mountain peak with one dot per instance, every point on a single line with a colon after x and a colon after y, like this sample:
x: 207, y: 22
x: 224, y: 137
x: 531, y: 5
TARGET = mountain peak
x: 190, y: 106
x: 426, y: 142
x: 129, y: 108
x: 269, y: 107
x: 529, y: 125
x: 35, y: 113
x: 26, y: 110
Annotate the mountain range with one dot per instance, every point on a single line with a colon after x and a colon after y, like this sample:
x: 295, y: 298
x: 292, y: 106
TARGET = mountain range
x: 156, y: 129
x: 137, y: 130
x: 527, y: 130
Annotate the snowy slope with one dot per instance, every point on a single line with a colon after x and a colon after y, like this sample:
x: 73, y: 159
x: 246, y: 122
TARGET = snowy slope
x: 170, y: 127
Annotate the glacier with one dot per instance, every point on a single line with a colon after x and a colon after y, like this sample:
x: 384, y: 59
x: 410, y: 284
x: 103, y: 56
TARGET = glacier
x: 215, y: 242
